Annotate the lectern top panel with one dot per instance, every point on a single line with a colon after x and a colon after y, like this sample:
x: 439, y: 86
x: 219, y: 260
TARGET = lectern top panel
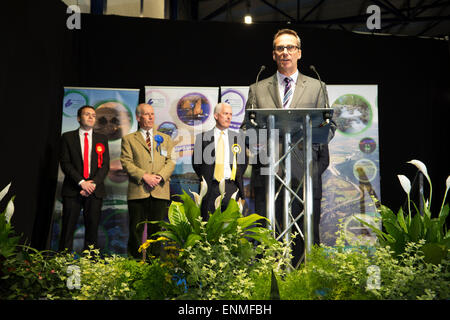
x: 291, y: 120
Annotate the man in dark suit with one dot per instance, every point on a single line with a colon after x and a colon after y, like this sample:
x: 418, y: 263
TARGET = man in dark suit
x: 288, y: 88
x: 219, y: 154
x: 84, y: 159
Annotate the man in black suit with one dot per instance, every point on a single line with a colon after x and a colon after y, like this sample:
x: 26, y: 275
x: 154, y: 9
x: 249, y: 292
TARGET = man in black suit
x: 84, y: 159
x: 207, y: 163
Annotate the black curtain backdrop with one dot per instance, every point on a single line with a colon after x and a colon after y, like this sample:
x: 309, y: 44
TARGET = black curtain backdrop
x: 40, y: 56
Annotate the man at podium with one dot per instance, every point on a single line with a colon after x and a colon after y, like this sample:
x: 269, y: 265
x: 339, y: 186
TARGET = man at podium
x: 288, y: 88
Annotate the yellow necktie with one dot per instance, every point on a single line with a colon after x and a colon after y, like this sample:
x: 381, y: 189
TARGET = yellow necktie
x: 220, y: 158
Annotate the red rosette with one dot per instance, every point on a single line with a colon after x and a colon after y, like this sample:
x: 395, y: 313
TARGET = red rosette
x: 100, y: 149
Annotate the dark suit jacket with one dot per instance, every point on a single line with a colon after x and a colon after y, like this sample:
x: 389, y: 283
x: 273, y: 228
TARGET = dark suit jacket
x: 204, y: 165
x: 71, y: 162
x: 307, y: 94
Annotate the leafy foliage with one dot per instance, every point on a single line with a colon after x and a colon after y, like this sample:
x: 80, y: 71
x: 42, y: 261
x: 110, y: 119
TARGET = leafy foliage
x: 184, y: 226
x: 401, y: 229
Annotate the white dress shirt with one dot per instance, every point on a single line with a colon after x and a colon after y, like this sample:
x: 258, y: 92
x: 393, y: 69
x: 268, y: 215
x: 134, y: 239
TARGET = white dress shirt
x: 282, y: 85
x: 226, y: 164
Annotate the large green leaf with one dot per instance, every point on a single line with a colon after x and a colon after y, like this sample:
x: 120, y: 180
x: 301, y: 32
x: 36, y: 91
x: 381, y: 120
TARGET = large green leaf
x: 401, y: 220
x: 394, y: 231
x: 416, y: 229
x: 192, y: 211
x: 387, y: 214
x: 191, y: 240
x: 176, y: 213
x: 260, y: 234
x: 443, y: 214
x: 169, y: 235
x: 433, y: 234
x: 382, y: 237
x: 245, y: 222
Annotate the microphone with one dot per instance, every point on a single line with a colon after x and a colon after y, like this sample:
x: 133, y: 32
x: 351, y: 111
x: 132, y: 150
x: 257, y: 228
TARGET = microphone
x: 252, y: 115
x: 326, y: 115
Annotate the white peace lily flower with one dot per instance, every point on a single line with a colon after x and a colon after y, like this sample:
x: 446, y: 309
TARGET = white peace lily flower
x: 218, y: 201
x: 203, y: 190
x: 421, y: 166
x: 203, y: 187
x: 234, y: 195
x: 222, y: 187
x: 197, y: 198
x: 406, y: 184
x: 4, y: 191
x: 447, y: 184
x: 9, y: 210
x: 241, y: 207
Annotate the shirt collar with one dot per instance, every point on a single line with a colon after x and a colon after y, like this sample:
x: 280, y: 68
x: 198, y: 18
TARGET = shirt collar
x: 217, y: 131
x: 81, y: 131
x: 144, y: 132
x: 281, y: 77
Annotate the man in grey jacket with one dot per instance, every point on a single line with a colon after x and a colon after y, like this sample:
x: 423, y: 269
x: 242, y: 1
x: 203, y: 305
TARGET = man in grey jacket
x: 288, y: 88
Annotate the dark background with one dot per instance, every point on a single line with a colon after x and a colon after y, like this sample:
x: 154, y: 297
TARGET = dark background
x: 39, y: 56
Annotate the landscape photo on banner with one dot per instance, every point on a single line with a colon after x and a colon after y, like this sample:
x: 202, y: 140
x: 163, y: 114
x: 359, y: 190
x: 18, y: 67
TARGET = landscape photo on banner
x: 115, y: 109
x: 182, y: 113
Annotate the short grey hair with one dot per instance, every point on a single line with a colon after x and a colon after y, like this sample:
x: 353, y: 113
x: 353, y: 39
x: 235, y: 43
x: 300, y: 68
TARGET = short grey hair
x: 138, y: 108
x: 219, y: 106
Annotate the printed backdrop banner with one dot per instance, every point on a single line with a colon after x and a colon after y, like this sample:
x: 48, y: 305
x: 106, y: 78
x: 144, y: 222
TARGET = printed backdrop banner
x: 349, y: 183
x: 183, y: 112
x: 115, y: 109
x: 353, y: 176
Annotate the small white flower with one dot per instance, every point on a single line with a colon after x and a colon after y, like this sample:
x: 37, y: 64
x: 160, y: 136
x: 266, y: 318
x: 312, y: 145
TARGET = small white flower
x: 241, y: 207
x: 203, y: 187
x: 218, y: 202
x: 421, y: 166
x: 203, y: 190
x: 222, y: 187
x: 447, y: 183
x: 9, y: 210
x: 4, y: 191
x: 406, y: 184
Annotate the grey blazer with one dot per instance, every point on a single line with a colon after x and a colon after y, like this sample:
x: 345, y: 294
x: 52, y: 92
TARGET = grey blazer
x: 307, y: 94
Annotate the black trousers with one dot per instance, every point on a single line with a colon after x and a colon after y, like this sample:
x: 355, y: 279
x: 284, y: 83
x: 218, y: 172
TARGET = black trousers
x: 91, y: 214
x: 147, y: 209
x: 208, y: 202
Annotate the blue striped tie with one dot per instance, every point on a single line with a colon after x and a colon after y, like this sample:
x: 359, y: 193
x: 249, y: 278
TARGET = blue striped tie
x: 287, y: 91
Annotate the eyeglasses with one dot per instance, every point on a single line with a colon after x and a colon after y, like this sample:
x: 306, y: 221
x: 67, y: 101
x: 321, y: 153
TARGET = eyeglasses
x: 289, y: 48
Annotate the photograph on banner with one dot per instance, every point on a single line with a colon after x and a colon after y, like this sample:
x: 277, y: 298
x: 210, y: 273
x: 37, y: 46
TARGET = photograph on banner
x: 353, y: 176
x: 183, y: 112
x: 115, y: 118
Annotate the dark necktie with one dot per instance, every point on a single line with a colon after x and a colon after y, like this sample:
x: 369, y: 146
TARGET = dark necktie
x: 149, y: 141
x: 287, y: 91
